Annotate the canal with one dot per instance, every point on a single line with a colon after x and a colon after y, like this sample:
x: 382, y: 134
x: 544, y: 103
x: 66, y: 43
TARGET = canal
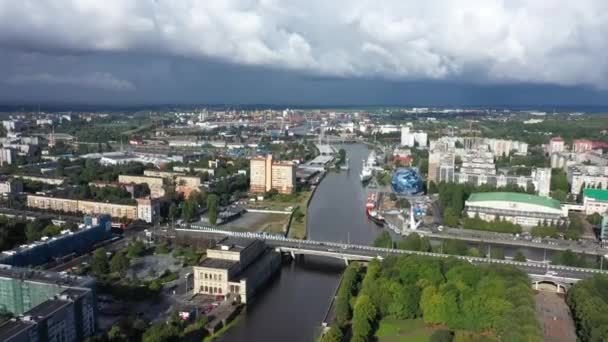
x: 292, y: 306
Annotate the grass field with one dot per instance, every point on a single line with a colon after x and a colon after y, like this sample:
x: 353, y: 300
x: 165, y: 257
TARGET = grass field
x: 409, y: 330
x: 297, y: 229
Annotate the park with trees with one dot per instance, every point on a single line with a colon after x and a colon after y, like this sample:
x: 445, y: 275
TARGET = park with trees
x: 436, y: 300
x: 588, y: 302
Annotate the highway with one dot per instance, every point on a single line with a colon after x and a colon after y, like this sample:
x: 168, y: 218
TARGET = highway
x: 351, y: 252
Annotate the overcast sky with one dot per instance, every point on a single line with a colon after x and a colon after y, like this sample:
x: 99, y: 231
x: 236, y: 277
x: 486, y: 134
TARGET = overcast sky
x: 305, y: 52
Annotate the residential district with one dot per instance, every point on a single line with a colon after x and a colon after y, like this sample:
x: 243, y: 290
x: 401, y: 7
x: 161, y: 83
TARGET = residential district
x: 164, y: 225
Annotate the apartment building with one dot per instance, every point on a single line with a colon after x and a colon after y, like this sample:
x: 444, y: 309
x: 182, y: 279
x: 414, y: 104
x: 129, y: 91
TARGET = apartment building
x: 7, y: 156
x: 10, y: 187
x: 266, y: 175
x: 146, y: 209
x: 156, y: 184
x: 49, y: 306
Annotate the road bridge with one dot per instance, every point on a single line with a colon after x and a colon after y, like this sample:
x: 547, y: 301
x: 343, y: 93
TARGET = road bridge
x: 540, y: 272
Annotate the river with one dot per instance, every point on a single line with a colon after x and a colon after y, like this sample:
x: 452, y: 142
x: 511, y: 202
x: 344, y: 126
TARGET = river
x: 292, y: 307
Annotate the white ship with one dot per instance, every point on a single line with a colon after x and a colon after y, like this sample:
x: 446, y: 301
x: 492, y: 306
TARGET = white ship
x: 367, y: 171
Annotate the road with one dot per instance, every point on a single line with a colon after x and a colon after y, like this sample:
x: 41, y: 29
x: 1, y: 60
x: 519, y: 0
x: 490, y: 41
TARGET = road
x: 361, y: 252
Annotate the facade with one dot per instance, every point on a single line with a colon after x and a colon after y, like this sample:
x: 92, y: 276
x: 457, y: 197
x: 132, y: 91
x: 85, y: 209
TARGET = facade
x: 478, y: 163
x: 588, y: 175
x: 582, y: 145
x: 45, y: 180
x: 93, y: 231
x: 518, y: 208
x: 266, y: 175
x: 410, y: 139
x: 235, y: 269
x: 127, y: 211
x: 595, y: 201
x: 539, y: 178
x: 49, y: 306
x: 556, y: 145
x: 162, y: 174
x: 283, y: 177
x: 604, y: 229
x: 155, y: 184
x: 10, y: 187
x: 7, y: 156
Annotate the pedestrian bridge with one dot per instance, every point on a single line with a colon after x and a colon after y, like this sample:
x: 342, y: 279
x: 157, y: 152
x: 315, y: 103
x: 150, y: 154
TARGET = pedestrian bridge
x: 541, y: 273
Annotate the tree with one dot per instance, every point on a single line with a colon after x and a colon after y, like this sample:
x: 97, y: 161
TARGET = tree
x: 119, y: 263
x: 497, y: 253
x: 403, y: 203
x: 363, y: 317
x: 383, y: 240
x: 334, y: 334
x: 442, y: 335
x: 519, y: 256
x: 135, y: 249
x: 212, y: 208
x: 173, y: 211
x: 115, y: 334
x: 450, y: 218
x: 99, y: 263
x: 432, y: 188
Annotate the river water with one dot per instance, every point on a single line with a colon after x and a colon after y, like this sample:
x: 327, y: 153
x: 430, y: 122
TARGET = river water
x: 292, y: 307
x: 294, y: 303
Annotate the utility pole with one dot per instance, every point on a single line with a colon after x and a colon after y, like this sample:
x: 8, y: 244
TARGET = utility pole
x: 545, y: 255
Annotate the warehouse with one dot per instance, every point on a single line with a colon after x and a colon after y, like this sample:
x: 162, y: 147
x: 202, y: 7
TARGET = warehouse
x: 519, y: 208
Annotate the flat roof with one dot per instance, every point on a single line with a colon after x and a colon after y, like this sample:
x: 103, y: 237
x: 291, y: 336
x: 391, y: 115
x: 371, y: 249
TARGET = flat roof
x: 47, y: 308
x: 234, y: 244
x: 27, y: 274
x: 597, y: 194
x: 218, y: 263
x: 515, y: 197
x: 13, y: 327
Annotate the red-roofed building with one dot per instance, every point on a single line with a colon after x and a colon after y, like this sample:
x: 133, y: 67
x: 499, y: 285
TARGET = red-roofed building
x: 582, y: 145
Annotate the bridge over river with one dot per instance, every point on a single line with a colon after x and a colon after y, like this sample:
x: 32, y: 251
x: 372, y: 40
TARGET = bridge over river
x: 562, y: 277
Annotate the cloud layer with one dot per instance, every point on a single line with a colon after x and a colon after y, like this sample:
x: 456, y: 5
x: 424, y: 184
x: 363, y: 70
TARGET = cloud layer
x: 94, y: 80
x: 551, y: 41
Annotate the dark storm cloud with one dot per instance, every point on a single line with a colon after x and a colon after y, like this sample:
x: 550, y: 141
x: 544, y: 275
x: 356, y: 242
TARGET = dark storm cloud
x: 394, y: 51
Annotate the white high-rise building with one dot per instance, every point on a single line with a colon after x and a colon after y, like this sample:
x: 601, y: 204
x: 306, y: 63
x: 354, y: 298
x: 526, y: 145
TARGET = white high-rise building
x: 410, y: 139
x: 407, y: 138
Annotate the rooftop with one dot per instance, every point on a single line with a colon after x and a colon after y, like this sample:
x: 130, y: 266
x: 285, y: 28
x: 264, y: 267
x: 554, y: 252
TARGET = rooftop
x: 7, y: 271
x: 597, y: 194
x: 11, y: 328
x: 218, y: 263
x: 515, y: 197
x: 233, y: 244
x: 47, y: 308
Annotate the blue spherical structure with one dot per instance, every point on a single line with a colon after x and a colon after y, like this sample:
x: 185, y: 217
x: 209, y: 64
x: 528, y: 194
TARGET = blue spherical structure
x: 407, y: 181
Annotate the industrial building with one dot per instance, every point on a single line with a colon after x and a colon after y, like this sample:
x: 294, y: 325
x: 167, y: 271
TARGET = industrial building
x: 519, y: 208
x: 93, y: 231
x: 235, y: 269
x: 266, y: 175
x: 48, y: 306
